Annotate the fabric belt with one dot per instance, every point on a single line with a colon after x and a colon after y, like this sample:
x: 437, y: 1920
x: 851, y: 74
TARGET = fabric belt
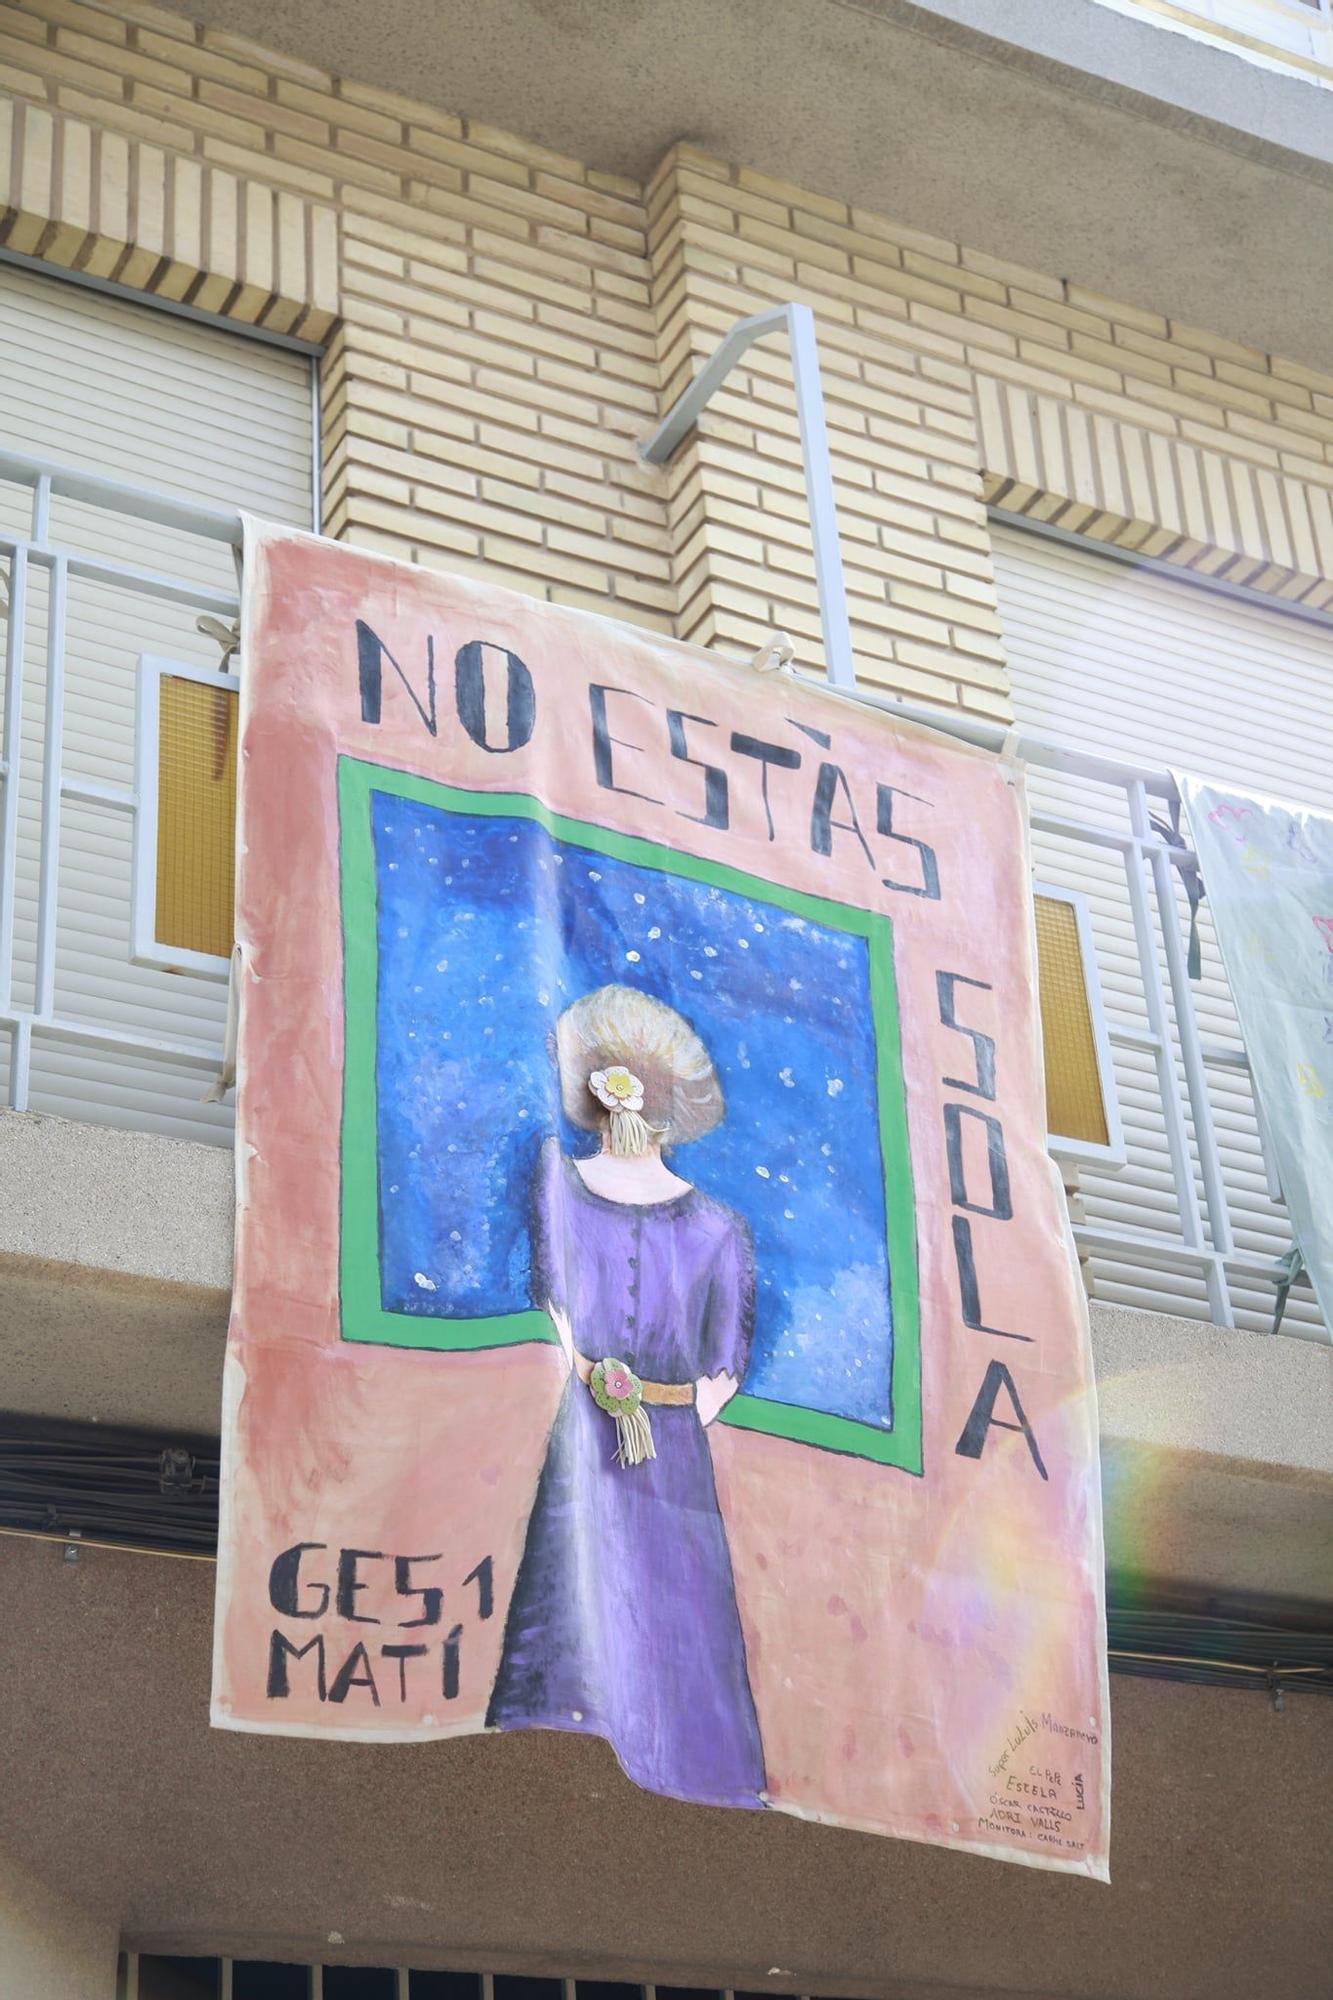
x: 681, y: 1393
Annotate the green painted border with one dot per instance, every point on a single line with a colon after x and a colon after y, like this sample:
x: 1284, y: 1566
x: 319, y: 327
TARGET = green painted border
x: 362, y: 1313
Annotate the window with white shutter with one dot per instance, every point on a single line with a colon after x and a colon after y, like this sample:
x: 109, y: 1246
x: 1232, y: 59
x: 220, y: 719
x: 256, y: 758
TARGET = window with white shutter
x: 109, y: 386
x: 1166, y: 672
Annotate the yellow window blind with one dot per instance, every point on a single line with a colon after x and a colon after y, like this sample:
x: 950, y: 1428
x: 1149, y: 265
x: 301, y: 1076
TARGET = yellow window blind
x: 1075, y: 1108
x: 196, y: 815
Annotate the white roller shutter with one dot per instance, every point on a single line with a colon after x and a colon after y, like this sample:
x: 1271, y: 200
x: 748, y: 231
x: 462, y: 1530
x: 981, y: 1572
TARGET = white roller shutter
x: 137, y: 394
x: 1167, y: 673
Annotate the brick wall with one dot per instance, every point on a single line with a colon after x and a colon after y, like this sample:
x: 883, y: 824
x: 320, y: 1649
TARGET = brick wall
x: 495, y: 358
x: 506, y: 324
x: 902, y: 437
x: 953, y: 379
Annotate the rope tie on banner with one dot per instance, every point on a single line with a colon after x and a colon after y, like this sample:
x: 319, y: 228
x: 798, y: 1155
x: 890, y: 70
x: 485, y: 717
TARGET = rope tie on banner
x: 226, y: 1075
x: 1187, y: 865
x: 1287, y: 1271
x: 1009, y: 754
x: 776, y: 656
x: 228, y: 637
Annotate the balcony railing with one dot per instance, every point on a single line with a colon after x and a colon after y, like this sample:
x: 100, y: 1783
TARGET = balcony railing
x: 101, y: 1023
x: 96, y: 575
x: 1289, y: 34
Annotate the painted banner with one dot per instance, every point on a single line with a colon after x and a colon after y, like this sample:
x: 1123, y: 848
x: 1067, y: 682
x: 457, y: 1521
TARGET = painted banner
x: 654, y: 1311
x: 1268, y: 875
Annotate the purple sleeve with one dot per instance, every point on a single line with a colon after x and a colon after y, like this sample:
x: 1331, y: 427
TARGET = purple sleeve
x: 548, y: 1263
x: 729, y: 1305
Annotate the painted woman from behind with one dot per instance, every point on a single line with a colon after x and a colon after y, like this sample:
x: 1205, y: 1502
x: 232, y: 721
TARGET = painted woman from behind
x: 623, y: 1621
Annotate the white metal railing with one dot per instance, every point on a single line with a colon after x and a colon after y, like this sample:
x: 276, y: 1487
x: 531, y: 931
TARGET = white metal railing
x: 39, y: 550
x: 1203, y: 1243
x: 1199, y: 1240
x: 1286, y: 34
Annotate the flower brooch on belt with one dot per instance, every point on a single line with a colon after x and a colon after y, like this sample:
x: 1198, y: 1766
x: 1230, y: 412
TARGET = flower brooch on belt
x: 615, y: 1388
x: 618, y: 1390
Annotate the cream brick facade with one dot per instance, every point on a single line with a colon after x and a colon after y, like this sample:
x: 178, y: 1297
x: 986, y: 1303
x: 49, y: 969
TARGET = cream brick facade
x: 492, y: 353
x: 503, y: 326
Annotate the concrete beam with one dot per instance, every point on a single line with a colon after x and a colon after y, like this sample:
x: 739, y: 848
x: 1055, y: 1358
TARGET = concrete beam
x: 496, y: 1852
x: 1180, y: 81
x: 50, y: 1942
x: 1056, y: 134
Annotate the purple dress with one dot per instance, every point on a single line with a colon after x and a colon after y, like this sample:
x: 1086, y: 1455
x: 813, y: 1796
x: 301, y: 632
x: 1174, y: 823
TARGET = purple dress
x: 623, y: 1620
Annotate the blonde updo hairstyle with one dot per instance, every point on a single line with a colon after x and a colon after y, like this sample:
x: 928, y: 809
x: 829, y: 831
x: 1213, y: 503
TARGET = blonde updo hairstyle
x: 620, y: 1027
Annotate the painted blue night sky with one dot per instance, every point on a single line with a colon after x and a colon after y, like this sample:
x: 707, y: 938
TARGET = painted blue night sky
x: 487, y: 929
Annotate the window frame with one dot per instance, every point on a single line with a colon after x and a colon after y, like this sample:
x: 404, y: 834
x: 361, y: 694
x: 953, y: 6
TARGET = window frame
x: 145, y: 946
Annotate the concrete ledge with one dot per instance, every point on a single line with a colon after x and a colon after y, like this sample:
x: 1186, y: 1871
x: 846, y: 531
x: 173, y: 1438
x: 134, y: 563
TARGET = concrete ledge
x: 1262, y: 1401
x: 115, y: 1274
x: 1217, y: 1457
x: 97, y: 1199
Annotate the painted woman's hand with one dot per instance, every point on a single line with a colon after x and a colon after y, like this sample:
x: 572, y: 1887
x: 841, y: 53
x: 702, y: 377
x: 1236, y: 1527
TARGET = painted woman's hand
x: 712, y: 1393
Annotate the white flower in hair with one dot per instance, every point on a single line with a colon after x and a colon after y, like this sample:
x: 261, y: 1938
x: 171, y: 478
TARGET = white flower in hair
x: 617, y: 1088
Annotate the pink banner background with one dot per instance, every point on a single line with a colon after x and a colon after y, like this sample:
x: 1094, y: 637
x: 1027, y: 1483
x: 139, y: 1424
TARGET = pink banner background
x: 927, y: 1653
